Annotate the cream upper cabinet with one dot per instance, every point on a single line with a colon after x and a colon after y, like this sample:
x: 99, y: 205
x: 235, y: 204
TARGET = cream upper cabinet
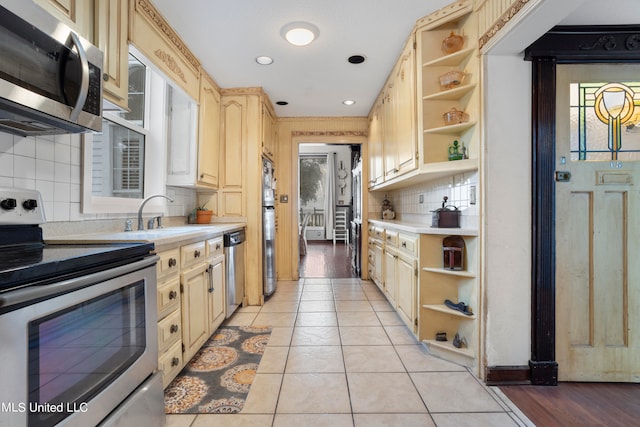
x: 405, y: 111
x: 77, y: 14
x: 268, y: 132
x: 233, y: 115
x: 209, y: 125
x: 111, y: 25
x: 375, y: 145
x: 393, y: 129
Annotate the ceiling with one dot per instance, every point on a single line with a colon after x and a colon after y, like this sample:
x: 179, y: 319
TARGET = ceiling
x: 227, y: 36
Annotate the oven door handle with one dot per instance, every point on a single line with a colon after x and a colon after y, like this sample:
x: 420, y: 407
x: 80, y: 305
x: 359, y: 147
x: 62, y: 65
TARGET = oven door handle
x: 33, y: 293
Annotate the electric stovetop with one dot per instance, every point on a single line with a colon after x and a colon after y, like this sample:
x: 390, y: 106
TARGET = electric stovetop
x: 40, y: 264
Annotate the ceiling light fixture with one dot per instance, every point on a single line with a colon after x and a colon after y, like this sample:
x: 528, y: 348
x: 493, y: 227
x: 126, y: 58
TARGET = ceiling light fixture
x: 264, y: 60
x: 356, y: 59
x: 348, y: 102
x: 282, y: 103
x: 299, y: 33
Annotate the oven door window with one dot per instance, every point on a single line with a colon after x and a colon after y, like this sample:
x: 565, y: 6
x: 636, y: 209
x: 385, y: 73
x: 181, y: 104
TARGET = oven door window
x: 77, y: 352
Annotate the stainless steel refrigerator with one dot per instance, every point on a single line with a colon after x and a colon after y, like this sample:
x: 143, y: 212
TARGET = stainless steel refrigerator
x: 268, y: 228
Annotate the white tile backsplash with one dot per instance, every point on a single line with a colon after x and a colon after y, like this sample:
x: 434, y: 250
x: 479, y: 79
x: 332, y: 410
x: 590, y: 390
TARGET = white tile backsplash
x: 406, y: 201
x: 53, y: 166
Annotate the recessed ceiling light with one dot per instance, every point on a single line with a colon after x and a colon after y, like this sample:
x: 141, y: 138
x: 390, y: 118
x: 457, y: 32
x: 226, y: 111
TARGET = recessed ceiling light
x: 356, y: 59
x: 299, y: 33
x: 348, y: 102
x: 264, y: 60
x: 282, y: 103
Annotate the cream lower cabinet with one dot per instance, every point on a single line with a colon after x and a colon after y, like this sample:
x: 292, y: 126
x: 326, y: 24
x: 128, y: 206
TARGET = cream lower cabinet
x: 216, y: 298
x: 169, y: 315
x: 195, y: 290
x: 407, y: 280
x: 190, y: 301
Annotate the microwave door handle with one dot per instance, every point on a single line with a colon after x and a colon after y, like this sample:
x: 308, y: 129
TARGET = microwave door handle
x: 84, y: 84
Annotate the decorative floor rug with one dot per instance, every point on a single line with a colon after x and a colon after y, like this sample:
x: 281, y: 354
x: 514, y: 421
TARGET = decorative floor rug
x: 218, y: 378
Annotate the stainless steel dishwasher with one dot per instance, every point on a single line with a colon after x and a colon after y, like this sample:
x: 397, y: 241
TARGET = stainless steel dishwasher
x: 234, y: 270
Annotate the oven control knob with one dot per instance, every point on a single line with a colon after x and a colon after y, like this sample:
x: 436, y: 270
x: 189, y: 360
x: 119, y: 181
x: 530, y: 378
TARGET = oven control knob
x: 30, y: 204
x: 8, y: 204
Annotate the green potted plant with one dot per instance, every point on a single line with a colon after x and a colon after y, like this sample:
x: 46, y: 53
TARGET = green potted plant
x: 203, y: 215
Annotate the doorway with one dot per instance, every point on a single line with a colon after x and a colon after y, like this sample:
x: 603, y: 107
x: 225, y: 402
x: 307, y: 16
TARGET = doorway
x: 577, y: 45
x: 326, y: 207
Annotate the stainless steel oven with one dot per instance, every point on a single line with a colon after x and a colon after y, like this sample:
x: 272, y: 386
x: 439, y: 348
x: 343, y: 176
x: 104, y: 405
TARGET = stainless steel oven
x: 78, y: 330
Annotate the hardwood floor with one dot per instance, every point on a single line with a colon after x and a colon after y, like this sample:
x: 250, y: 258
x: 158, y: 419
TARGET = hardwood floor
x: 323, y: 259
x: 578, y: 404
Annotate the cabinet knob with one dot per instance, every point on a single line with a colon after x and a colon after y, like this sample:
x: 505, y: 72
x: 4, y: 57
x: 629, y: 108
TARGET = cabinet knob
x: 173, y: 295
x: 404, y: 244
x: 175, y: 361
x: 173, y: 329
x: 173, y: 262
x: 196, y: 254
x: 218, y: 246
x: 201, y: 176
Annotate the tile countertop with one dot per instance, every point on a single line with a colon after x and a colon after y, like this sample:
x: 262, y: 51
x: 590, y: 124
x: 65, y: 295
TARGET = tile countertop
x: 161, y: 237
x: 422, y: 228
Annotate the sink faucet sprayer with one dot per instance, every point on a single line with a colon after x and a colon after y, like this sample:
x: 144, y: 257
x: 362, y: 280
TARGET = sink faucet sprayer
x: 144, y: 202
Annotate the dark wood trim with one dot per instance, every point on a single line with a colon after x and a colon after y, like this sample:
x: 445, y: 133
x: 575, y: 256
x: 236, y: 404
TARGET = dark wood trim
x: 543, y: 295
x: 569, y: 44
x: 507, y: 375
x: 598, y: 43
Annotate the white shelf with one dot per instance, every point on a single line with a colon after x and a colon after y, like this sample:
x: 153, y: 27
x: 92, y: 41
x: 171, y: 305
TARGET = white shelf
x: 428, y: 172
x: 448, y: 346
x: 453, y: 59
x: 459, y: 273
x: 441, y: 308
x: 451, y: 129
x: 451, y: 94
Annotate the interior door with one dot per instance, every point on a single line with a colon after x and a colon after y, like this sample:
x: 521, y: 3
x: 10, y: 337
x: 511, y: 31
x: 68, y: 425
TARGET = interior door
x: 597, y: 222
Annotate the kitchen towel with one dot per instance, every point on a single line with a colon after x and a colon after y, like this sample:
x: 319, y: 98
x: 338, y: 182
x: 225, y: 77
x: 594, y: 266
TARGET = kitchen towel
x: 218, y: 378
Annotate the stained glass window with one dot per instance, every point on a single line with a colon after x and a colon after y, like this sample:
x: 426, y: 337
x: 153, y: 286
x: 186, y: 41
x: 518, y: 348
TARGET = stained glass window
x: 605, y: 121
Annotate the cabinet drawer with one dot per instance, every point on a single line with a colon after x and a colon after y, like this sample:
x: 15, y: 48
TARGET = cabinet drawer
x: 215, y: 247
x: 169, y: 330
x: 170, y: 363
x: 191, y: 254
x: 391, y: 237
x: 378, y: 232
x: 168, y: 296
x: 408, y: 244
x: 169, y: 263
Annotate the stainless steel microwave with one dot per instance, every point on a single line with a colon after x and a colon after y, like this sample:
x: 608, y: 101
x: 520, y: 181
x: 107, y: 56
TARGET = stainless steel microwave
x: 50, y: 77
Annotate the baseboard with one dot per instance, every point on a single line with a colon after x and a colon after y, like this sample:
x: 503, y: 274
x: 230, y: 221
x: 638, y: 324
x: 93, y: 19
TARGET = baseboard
x: 508, y: 375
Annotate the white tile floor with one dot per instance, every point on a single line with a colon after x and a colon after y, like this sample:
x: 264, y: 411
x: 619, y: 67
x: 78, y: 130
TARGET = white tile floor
x: 340, y: 356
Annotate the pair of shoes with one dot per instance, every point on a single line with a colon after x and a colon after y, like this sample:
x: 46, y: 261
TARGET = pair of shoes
x: 461, y: 307
x: 441, y: 336
x: 459, y: 342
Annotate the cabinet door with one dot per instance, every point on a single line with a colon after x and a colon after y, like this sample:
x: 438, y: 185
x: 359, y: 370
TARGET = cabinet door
x: 234, y: 138
x: 375, y: 144
x: 378, y: 253
x: 404, y: 106
x: 182, y: 137
x: 209, y: 143
x: 268, y: 132
x: 195, y: 323
x: 390, y: 277
x: 407, y: 291
x: 216, y: 294
x: 77, y: 14
x: 111, y: 20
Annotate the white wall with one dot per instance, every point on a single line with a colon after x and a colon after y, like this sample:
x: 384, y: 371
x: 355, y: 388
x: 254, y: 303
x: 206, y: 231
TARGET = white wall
x: 507, y: 209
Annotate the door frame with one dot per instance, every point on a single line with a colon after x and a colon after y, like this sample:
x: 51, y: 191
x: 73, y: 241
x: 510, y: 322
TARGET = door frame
x: 561, y: 45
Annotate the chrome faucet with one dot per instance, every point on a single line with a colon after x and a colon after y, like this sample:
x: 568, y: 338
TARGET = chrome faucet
x: 144, y: 202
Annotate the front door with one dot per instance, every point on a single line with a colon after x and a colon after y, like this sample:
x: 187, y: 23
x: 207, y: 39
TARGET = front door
x: 598, y: 222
